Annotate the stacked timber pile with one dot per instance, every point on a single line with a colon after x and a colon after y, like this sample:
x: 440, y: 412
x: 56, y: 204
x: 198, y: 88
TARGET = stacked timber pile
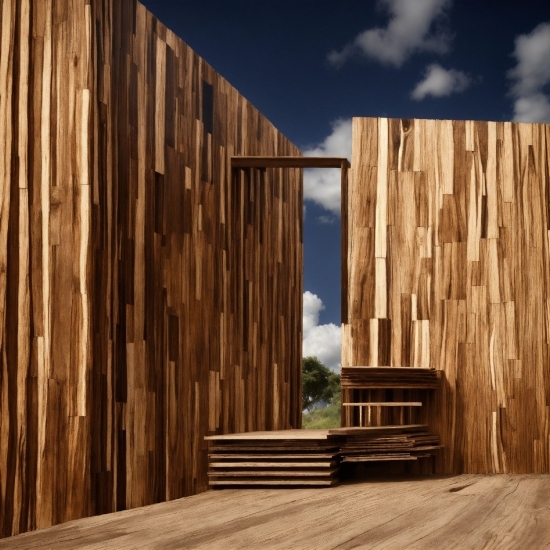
x: 389, y: 377
x: 280, y: 458
x: 385, y: 396
x: 386, y: 443
x: 382, y: 414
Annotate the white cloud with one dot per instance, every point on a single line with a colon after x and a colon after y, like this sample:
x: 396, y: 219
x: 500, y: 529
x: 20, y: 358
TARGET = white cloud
x: 326, y: 220
x: 533, y: 108
x: 410, y: 30
x: 322, y: 185
x: 531, y: 75
x: 440, y: 82
x: 322, y: 341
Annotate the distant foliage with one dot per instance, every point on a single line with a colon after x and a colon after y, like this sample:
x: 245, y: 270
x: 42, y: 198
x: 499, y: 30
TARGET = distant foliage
x: 323, y: 418
x: 319, y: 383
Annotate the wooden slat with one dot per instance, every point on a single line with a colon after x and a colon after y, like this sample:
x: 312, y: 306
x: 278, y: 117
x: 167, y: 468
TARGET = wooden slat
x: 353, y: 430
x: 385, y: 404
x: 397, y: 458
x: 267, y: 456
x: 288, y: 435
x: 291, y: 473
x: 273, y: 446
x: 260, y: 464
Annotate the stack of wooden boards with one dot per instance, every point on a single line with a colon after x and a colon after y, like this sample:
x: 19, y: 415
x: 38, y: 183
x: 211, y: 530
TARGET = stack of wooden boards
x: 386, y: 443
x: 310, y: 457
x: 279, y: 458
x: 389, y: 377
x: 313, y: 457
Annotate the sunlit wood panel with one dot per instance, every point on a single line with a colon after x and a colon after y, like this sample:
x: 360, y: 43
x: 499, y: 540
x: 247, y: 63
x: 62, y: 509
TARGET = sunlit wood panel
x: 448, y: 248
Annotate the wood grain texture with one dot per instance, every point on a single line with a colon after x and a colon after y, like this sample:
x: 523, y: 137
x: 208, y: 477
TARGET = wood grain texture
x: 45, y: 258
x: 436, y: 513
x: 466, y: 236
x: 149, y: 294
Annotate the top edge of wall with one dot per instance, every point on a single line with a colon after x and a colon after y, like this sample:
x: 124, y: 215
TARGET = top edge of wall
x: 165, y: 29
x: 450, y: 120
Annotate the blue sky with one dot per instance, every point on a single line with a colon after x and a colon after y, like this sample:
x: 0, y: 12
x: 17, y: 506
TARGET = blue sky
x: 310, y: 65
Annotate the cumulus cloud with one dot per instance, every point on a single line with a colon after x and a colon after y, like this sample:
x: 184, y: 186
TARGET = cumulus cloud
x: 410, y: 30
x: 323, y: 341
x: 531, y: 75
x: 440, y: 82
x: 322, y: 185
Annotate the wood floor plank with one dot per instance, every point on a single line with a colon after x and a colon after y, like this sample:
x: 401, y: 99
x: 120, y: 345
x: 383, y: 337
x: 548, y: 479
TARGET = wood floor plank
x: 438, y: 512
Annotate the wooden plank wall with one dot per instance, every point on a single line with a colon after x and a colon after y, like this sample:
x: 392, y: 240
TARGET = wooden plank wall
x: 45, y: 219
x: 148, y: 295
x: 449, y: 268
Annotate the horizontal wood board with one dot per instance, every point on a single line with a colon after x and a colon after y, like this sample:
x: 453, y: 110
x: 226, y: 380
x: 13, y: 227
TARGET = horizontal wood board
x: 448, y: 262
x: 290, y: 162
x: 149, y: 294
x: 275, y: 435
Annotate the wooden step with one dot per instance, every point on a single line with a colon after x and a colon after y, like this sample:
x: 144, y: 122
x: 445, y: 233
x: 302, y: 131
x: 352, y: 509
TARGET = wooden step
x: 260, y: 464
x: 274, y: 473
x: 275, y: 482
x: 262, y: 456
x: 385, y: 404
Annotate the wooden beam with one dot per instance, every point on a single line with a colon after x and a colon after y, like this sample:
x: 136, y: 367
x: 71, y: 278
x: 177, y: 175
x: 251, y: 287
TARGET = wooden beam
x: 289, y: 162
x: 344, y: 241
x: 385, y: 404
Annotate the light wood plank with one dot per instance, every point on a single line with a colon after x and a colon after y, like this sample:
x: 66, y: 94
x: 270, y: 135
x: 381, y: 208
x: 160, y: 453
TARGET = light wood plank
x: 436, y: 512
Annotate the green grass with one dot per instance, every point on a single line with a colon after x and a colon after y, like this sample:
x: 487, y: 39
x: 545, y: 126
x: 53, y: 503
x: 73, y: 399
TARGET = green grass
x: 328, y: 417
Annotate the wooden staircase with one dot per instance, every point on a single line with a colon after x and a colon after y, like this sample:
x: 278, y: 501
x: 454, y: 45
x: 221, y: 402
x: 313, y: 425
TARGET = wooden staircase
x: 276, y: 458
x: 379, y: 418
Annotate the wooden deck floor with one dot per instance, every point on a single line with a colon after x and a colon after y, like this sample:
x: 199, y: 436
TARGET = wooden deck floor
x: 462, y: 512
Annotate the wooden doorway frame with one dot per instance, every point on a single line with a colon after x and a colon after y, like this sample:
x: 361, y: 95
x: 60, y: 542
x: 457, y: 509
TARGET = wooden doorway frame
x: 243, y: 162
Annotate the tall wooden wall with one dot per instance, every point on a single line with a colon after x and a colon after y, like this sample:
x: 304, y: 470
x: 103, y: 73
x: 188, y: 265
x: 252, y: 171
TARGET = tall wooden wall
x: 148, y: 295
x: 449, y: 268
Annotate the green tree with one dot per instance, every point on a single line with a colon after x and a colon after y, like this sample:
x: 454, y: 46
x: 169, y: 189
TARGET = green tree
x: 319, y: 383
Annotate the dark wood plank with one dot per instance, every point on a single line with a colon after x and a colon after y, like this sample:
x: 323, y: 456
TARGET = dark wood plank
x: 289, y: 162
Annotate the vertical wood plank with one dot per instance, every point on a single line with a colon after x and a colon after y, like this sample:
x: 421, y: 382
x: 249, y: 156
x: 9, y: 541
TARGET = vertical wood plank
x: 382, y: 190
